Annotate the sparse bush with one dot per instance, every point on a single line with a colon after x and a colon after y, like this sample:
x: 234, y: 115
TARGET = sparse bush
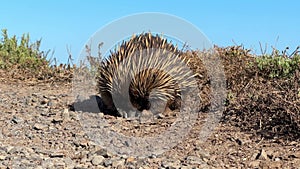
x: 23, y: 54
x: 278, y: 65
x: 266, y: 92
x: 24, y: 59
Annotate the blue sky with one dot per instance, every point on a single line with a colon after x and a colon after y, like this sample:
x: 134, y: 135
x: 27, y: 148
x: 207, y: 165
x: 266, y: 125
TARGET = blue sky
x: 62, y: 23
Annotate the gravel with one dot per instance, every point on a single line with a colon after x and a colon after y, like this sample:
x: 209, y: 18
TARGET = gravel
x: 39, y: 131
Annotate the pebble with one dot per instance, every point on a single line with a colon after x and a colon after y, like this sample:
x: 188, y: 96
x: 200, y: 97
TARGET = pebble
x: 47, y: 164
x: 104, y: 153
x: 8, y: 148
x: 97, y: 160
x: 107, y: 162
x: 17, y: 120
x: 130, y: 160
x: 254, y: 164
x: 130, y: 166
x: 277, y: 159
x: 39, y: 126
x: 57, y: 154
x: 57, y: 120
x: 50, y: 104
x: 69, y: 162
x: 194, y: 160
x: 297, y: 154
x: 2, y: 157
x: 44, y: 101
x: 66, y: 115
x: 262, y: 155
x: 173, y: 164
x: 118, y: 162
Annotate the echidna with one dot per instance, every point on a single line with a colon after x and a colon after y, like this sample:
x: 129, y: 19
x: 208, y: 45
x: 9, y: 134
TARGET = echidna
x: 142, y: 73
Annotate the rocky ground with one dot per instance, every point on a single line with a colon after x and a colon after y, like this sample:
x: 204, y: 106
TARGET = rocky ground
x: 38, y: 130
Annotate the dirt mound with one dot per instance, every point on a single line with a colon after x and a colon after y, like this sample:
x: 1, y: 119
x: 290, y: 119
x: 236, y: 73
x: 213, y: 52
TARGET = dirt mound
x: 256, y: 102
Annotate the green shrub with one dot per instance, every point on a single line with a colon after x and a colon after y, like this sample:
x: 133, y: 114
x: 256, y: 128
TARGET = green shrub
x: 23, y: 54
x: 278, y: 65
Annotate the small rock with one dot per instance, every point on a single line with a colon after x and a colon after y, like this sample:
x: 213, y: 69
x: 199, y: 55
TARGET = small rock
x: 116, y: 163
x: 101, y: 115
x: 204, y: 155
x: 84, y: 143
x: 47, y: 163
x: 254, y: 164
x: 130, y: 160
x: 57, y: 154
x: 4, y: 164
x: 2, y: 157
x: 57, y: 120
x: 25, y: 161
x: 48, y: 114
x: 59, y: 164
x: 127, y: 143
x: 160, y: 116
x: 17, y: 120
x: 262, y: 155
x: 52, y: 97
x: 194, y: 160
x: 173, y: 164
x: 104, y: 153
x: 239, y: 141
x: 186, y: 167
x: 297, y: 154
x: 50, y: 103
x: 277, y: 159
x: 33, y: 100
x: 15, y: 150
x: 275, y: 164
x: 97, y: 160
x: 81, y: 143
x: 66, y: 114
x: 8, y: 148
x: 46, y: 97
x: 84, y: 160
x: 69, y: 162
x: 44, y: 101
x: 38, y: 126
x: 107, y: 162
x: 73, y: 115
x: 42, y: 151
x: 146, y: 167
x: 130, y: 166
x: 293, y: 143
x: 29, y: 150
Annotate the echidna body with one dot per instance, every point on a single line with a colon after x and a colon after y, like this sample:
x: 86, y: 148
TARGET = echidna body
x: 143, y: 72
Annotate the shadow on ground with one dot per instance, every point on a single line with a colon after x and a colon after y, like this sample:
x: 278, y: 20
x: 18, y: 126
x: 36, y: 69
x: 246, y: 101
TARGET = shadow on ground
x: 93, y: 104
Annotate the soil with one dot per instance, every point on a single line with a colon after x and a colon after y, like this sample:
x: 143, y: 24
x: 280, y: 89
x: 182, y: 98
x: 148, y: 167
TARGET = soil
x: 40, y: 130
